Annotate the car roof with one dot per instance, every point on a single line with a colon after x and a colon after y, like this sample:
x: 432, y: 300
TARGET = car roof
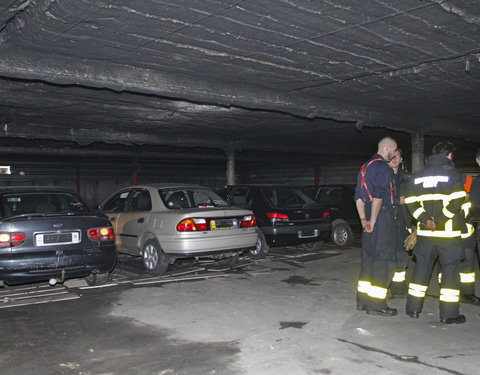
x: 165, y: 185
x: 35, y: 188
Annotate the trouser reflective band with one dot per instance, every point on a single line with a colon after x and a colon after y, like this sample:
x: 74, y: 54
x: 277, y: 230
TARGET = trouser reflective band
x: 449, y: 295
x: 467, y: 278
x: 440, y: 278
x: 399, y: 277
x: 417, y: 290
x: 363, y: 286
x: 377, y: 292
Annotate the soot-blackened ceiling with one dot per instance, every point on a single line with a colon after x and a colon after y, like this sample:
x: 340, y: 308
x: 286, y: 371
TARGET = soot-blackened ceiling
x: 295, y: 75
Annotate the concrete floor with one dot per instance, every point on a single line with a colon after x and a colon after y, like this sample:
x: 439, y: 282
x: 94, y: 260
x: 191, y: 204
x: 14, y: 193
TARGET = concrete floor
x: 293, y: 313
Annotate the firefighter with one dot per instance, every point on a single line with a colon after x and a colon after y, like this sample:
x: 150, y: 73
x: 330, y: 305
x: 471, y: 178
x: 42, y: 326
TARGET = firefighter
x: 374, y: 198
x: 434, y: 196
x: 398, y: 286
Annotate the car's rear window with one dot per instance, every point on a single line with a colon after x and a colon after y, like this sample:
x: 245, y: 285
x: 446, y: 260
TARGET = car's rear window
x: 13, y: 204
x: 287, y: 197
x: 191, y: 198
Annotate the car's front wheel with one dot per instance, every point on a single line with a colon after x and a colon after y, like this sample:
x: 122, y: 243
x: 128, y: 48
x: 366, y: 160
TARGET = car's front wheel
x: 261, y: 248
x: 154, y: 259
x: 95, y: 279
x: 342, y: 234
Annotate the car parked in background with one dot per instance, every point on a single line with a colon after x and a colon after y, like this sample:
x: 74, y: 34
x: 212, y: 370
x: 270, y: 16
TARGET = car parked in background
x: 50, y: 233
x: 339, y: 201
x: 285, y: 215
x: 166, y: 222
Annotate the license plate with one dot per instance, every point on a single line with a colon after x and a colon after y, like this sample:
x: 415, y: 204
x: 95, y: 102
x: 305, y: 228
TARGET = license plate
x: 45, y: 239
x: 223, y: 223
x: 308, y: 233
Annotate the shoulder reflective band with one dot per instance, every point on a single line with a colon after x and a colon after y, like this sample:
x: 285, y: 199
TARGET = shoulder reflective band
x: 377, y: 292
x: 417, y: 290
x: 399, y: 277
x: 363, y: 286
x: 430, y: 181
x: 363, y: 173
x: 467, y: 278
x: 449, y: 295
x: 447, y: 233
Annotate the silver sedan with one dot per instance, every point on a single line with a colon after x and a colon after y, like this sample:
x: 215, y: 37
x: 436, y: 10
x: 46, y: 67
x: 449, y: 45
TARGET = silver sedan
x: 165, y: 222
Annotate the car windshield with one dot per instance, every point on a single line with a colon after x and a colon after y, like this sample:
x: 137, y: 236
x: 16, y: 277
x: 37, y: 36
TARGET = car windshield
x: 191, y: 198
x: 287, y: 197
x: 329, y: 196
x: 38, y: 202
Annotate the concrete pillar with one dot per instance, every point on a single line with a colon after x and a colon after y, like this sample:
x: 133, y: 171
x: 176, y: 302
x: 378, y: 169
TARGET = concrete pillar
x: 230, y: 166
x: 418, y: 155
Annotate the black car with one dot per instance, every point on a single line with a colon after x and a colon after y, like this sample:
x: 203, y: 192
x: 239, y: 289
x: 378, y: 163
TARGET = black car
x: 50, y: 233
x: 285, y: 215
x: 339, y: 201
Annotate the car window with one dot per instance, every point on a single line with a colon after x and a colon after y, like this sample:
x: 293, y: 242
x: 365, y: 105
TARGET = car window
x: 140, y: 201
x: 287, y: 197
x: 240, y: 197
x: 191, y: 198
x: 329, y: 196
x: 41, y: 202
x: 116, y: 203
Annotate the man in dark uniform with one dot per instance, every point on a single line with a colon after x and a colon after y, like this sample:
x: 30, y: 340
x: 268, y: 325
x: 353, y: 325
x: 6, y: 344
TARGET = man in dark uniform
x: 434, y: 196
x: 373, y: 198
x: 398, y: 288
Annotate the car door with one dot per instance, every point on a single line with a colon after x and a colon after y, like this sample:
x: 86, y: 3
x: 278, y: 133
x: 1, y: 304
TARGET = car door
x: 134, y: 220
x: 114, y: 208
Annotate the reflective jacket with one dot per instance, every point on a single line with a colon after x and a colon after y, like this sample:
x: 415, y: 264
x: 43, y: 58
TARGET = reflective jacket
x: 436, y: 193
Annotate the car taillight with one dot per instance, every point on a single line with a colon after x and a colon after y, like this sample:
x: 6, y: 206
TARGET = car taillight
x: 248, y: 221
x: 11, y: 239
x: 326, y: 214
x: 191, y: 225
x: 101, y: 234
x: 276, y: 217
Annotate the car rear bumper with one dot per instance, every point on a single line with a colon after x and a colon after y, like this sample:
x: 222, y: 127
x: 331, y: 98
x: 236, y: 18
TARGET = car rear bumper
x: 196, y: 244
x: 30, y: 267
x: 283, y: 235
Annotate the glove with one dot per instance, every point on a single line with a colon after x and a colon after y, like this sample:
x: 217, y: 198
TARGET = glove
x: 411, y: 240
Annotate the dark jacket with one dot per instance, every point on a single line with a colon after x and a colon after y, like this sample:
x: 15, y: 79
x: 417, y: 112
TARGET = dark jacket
x: 436, y: 193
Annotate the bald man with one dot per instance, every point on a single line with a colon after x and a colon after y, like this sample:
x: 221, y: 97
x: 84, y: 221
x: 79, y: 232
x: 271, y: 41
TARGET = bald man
x: 374, y: 199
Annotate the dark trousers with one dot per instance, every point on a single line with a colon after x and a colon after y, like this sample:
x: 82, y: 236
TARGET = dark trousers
x: 398, y: 286
x: 467, y: 267
x: 449, y: 253
x: 377, y: 260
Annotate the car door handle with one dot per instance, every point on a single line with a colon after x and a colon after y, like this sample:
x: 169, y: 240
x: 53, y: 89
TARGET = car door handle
x: 141, y: 220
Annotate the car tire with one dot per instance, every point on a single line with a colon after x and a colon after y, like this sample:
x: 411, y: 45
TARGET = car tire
x: 261, y: 248
x: 226, y: 262
x: 95, y: 279
x: 342, y: 235
x: 154, y: 259
x: 311, y: 246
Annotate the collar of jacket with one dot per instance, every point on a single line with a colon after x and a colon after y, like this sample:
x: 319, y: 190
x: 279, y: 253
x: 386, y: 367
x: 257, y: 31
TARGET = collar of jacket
x: 438, y: 159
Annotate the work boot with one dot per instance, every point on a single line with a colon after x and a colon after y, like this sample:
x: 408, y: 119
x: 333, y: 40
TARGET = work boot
x: 470, y: 298
x: 387, y: 311
x: 457, y: 320
x: 413, y: 314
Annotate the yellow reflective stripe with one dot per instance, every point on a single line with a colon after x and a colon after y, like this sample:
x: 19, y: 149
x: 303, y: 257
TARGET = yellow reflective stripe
x: 436, y: 197
x: 430, y: 181
x: 399, y: 277
x: 363, y: 286
x: 466, y: 207
x: 449, y: 295
x: 447, y: 213
x: 417, y: 290
x: 467, y: 278
x: 447, y: 233
x: 418, y: 212
x: 377, y: 292
x: 440, y: 278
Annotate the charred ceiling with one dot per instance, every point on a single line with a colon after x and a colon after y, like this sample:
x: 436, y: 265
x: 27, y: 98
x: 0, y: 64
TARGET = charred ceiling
x: 295, y: 75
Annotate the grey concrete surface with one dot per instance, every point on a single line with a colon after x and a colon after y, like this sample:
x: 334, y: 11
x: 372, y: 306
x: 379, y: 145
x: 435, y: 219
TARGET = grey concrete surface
x: 284, y: 315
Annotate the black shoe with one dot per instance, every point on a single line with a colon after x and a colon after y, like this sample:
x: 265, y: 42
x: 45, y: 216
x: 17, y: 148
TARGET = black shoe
x: 470, y: 298
x: 383, y: 312
x: 361, y: 307
x: 457, y: 320
x: 413, y: 314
